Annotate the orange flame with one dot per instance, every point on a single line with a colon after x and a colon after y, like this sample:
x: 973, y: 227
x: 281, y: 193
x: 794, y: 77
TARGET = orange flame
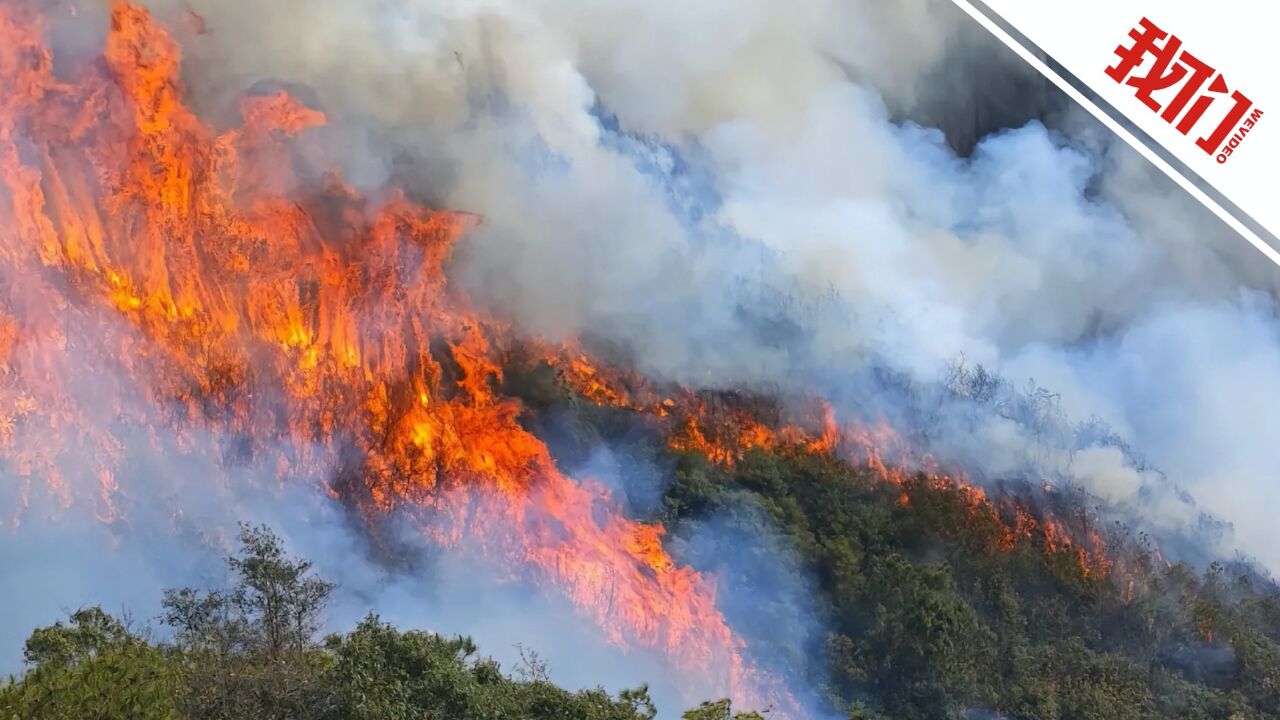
x: 725, y: 432
x: 239, y: 286
x: 236, y: 296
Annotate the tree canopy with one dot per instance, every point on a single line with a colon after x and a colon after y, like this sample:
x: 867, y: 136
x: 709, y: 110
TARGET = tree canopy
x: 252, y: 652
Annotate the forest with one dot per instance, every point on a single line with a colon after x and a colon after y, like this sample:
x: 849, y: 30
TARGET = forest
x: 930, y: 604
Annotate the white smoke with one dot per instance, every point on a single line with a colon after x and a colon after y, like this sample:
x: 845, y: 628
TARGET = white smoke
x: 740, y: 193
x: 48, y: 569
x: 177, y: 506
x: 647, y: 168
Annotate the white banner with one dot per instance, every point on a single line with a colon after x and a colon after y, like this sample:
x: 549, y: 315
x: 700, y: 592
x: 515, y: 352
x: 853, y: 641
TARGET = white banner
x: 1196, y: 77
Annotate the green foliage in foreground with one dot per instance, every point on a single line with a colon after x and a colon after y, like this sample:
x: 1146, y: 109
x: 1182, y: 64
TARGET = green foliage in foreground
x: 92, y: 667
x: 251, y: 653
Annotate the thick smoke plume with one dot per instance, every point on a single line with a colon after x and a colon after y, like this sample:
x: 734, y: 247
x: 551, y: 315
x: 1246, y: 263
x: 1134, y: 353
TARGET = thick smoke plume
x: 812, y: 197
x: 783, y: 195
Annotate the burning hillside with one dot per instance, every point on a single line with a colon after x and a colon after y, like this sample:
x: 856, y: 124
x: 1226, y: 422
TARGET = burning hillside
x: 164, y: 281
x: 291, y: 315
x: 246, y: 288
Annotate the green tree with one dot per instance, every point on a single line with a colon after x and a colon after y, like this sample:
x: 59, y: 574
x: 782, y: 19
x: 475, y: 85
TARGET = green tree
x: 92, y: 668
x: 719, y: 710
x: 89, y: 633
x: 924, y: 644
x: 250, y: 652
x: 385, y: 674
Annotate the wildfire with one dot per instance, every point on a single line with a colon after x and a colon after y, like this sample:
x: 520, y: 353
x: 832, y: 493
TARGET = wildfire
x: 724, y: 432
x: 230, y: 281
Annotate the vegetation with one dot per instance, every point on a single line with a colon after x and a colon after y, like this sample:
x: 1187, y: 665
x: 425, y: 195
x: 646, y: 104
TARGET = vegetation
x: 928, y: 607
x: 928, y: 610
x: 929, y: 617
x: 251, y: 652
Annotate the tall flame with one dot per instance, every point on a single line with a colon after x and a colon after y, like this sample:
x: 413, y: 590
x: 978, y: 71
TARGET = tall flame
x: 231, y: 282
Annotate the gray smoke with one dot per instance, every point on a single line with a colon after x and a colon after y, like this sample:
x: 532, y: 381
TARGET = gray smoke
x: 786, y: 195
x: 782, y: 195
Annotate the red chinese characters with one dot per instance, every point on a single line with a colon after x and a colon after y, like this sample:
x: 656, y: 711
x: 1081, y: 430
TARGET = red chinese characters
x: 1174, y: 67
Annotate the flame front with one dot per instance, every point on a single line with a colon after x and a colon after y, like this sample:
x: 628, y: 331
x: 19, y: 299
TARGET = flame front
x: 725, y: 432
x: 231, y: 282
